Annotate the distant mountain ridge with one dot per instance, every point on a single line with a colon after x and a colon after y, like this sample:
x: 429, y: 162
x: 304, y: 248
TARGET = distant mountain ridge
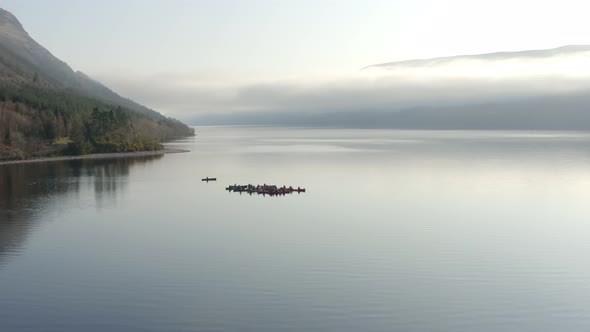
x: 496, y: 56
x: 23, y: 60
x: 506, y: 102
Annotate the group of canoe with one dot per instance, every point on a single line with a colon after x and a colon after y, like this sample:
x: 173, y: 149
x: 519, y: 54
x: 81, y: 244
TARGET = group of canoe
x: 264, y: 189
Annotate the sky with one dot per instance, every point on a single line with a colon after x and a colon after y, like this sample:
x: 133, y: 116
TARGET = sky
x: 211, y: 50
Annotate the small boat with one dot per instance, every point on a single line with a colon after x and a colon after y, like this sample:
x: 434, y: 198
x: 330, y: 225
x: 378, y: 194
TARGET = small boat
x: 207, y: 179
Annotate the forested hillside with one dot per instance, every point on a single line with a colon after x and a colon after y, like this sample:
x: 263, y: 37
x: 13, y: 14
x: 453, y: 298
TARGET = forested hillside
x: 37, y: 122
x: 46, y: 108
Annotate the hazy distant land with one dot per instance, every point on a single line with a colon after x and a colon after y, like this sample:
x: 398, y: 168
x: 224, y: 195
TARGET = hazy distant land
x: 529, y: 90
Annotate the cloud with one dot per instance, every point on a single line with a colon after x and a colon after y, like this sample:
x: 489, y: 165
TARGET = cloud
x: 455, y: 82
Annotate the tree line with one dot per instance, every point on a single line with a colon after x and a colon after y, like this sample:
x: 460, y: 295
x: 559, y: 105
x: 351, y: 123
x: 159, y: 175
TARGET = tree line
x: 38, y: 121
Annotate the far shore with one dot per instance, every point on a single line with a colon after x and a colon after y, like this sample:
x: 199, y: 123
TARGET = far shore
x: 96, y: 156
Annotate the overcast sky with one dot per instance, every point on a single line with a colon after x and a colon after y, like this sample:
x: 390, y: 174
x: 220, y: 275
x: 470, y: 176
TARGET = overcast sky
x: 218, y: 45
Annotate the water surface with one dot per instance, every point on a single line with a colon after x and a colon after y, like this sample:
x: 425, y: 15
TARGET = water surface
x: 399, y: 231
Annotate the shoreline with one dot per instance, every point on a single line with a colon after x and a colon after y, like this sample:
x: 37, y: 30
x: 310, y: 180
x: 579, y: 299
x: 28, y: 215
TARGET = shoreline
x: 95, y: 156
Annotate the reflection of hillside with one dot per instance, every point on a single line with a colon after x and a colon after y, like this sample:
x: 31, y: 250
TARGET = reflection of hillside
x: 27, y: 189
x: 109, y: 177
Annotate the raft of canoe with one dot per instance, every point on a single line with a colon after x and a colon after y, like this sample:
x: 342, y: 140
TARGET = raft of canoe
x: 264, y: 189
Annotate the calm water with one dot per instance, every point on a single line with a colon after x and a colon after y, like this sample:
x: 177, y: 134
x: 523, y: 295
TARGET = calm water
x: 399, y: 231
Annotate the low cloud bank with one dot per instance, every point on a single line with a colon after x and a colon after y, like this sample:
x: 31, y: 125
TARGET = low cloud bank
x: 456, y: 91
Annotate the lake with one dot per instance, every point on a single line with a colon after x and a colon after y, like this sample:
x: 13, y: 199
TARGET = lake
x: 398, y: 231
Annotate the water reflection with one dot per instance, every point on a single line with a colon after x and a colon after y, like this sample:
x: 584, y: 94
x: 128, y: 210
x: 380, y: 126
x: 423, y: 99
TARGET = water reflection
x: 27, y: 189
x: 398, y: 231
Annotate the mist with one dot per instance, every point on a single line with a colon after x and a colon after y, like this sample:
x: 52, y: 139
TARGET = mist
x: 533, y: 89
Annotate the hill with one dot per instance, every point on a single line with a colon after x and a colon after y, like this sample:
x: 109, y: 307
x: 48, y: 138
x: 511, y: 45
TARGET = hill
x: 496, y: 56
x: 44, y: 101
x: 529, y: 90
